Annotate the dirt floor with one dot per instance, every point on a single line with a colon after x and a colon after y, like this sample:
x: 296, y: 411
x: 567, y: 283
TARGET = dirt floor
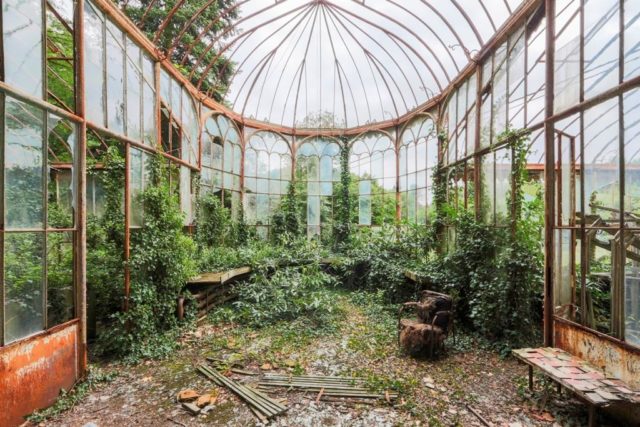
x: 361, y: 343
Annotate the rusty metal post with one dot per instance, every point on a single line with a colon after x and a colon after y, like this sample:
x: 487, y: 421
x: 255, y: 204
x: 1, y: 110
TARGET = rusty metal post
x: 81, y: 207
x: 549, y: 171
x: 127, y: 226
x: 398, y: 196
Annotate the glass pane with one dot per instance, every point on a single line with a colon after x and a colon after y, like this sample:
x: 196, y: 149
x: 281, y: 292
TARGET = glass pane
x: 24, y: 284
x: 149, y: 118
x: 632, y: 289
x: 136, y: 185
x: 24, y: 162
x: 313, y: 210
x: 631, y: 39
x: 22, y: 32
x: 94, y: 65
x: 364, y: 211
x: 61, y: 140
x: 115, y: 79
x: 503, y: 186
x: 487, y: 184
x: 499, y: 93
x: 601, y: 43
x: 60, y: 73
x: 601, y: 161
x: 632, y: 158
x: 60, y: 296
x: 598, y: 280
x: 185, y: 193
x: 134, y: 92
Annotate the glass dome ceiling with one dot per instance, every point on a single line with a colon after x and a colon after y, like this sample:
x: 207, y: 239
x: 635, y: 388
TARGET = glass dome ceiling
x: 343, y: 64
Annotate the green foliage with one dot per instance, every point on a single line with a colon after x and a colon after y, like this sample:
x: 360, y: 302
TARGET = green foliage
x: 286, y: 222
x: 494, y: 273
x: 105, y: 240
x: 285, y: 294
x: 160, y: 264
x: 342, y: 215
x: 60, y: 72
x: 213, y: 223
x: 150, y: 15
x: 376, y: 259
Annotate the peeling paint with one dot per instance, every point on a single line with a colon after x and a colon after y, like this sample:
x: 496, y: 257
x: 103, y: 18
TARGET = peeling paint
x: 614, y: 358
x: 32, y: 372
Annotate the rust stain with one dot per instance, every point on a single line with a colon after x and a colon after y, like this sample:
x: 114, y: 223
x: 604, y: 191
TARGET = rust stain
x: 33, y: 372
x: 614, y: 358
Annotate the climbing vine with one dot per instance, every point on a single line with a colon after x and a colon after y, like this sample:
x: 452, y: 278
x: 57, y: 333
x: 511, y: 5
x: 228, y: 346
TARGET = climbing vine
x: 342, y: 214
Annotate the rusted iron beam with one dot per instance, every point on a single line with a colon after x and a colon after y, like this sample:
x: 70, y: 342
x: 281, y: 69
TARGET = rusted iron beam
x: 80, y: 267
x: 549, y: 175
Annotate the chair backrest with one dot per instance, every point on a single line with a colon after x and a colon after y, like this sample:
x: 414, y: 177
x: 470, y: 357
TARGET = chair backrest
x: 442, y: 320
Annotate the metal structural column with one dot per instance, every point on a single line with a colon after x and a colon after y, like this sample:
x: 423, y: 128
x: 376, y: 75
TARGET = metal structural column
x: 81, y: 208
x: 549, y: 174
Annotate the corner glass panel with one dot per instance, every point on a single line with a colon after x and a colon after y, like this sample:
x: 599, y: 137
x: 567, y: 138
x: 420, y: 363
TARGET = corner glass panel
x: 61, y: 141
x: 23, y: 166
x: 22, y: 35
x: 115, y: 79
x: 60, y: 296
x: 24, y: 284
x: 94, y: 65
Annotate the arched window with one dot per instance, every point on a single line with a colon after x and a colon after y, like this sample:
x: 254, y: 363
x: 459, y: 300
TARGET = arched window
x: 372, y: 162
x: 418, y: 155
x: 267, y: 173
x: 317, y: 169
x: 221, y: 160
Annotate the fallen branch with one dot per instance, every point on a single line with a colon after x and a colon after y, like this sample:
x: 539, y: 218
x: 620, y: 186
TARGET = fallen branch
x: 477, y: 414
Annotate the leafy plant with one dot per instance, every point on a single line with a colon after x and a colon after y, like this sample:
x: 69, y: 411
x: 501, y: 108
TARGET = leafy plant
x: 342, y: 216
x: 285, y: 294
x: 286, y: 222
x: 160, y: 264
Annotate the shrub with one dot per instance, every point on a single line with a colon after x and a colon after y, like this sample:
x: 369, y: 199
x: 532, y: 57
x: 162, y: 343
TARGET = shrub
x: 160, y: 264
x: 287, y: 294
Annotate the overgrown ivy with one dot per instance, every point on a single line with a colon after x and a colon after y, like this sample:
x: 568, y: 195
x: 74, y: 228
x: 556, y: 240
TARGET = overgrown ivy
x: 286, y: 222
x: 342, y: 213
x: 495, y: 272
x: 161, y: 262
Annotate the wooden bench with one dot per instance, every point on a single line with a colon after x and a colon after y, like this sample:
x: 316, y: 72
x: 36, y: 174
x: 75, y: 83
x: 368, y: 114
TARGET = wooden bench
x: 591, y: 385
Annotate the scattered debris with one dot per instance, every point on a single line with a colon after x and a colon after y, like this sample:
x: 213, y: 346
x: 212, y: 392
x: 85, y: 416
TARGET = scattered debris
x: 206, y: 399
x: 260, y: 404
x: 477, y: 414
x: 192, y: 408
x: 266, y: 367
x: 187, y: 395
x: 176, y: 422
x: 243, y: 372
x: 325, y: 386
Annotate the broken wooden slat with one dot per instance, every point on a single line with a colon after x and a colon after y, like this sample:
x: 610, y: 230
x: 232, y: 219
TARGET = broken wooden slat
x: 260, y: 402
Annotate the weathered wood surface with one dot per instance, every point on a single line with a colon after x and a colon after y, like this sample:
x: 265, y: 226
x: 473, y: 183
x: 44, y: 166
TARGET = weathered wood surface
x: 220, y: 277
x: 589, y: 383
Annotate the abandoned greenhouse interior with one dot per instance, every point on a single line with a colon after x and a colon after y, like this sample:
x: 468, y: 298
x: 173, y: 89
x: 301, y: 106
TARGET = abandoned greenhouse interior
x: 320, y: 212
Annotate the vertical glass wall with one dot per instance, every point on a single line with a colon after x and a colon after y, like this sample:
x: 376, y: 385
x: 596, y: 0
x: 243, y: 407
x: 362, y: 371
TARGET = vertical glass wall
x: 221, y: 160
x: 372, y: 164
x: 267, y: 174
x: 39, y: 188
x: 317, y: 174
x: 597, y: 201
x: 417, y: 156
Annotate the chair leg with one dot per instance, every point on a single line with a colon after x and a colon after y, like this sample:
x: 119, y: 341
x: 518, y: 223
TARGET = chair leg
x: 593, y: 419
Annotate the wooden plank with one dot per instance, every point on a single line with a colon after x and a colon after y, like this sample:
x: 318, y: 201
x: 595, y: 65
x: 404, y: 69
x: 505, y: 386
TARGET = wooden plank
x: 577, y: 376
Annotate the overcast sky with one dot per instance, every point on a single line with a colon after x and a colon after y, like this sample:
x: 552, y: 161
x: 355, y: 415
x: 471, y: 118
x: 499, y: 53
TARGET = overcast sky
x: 363, y: 61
